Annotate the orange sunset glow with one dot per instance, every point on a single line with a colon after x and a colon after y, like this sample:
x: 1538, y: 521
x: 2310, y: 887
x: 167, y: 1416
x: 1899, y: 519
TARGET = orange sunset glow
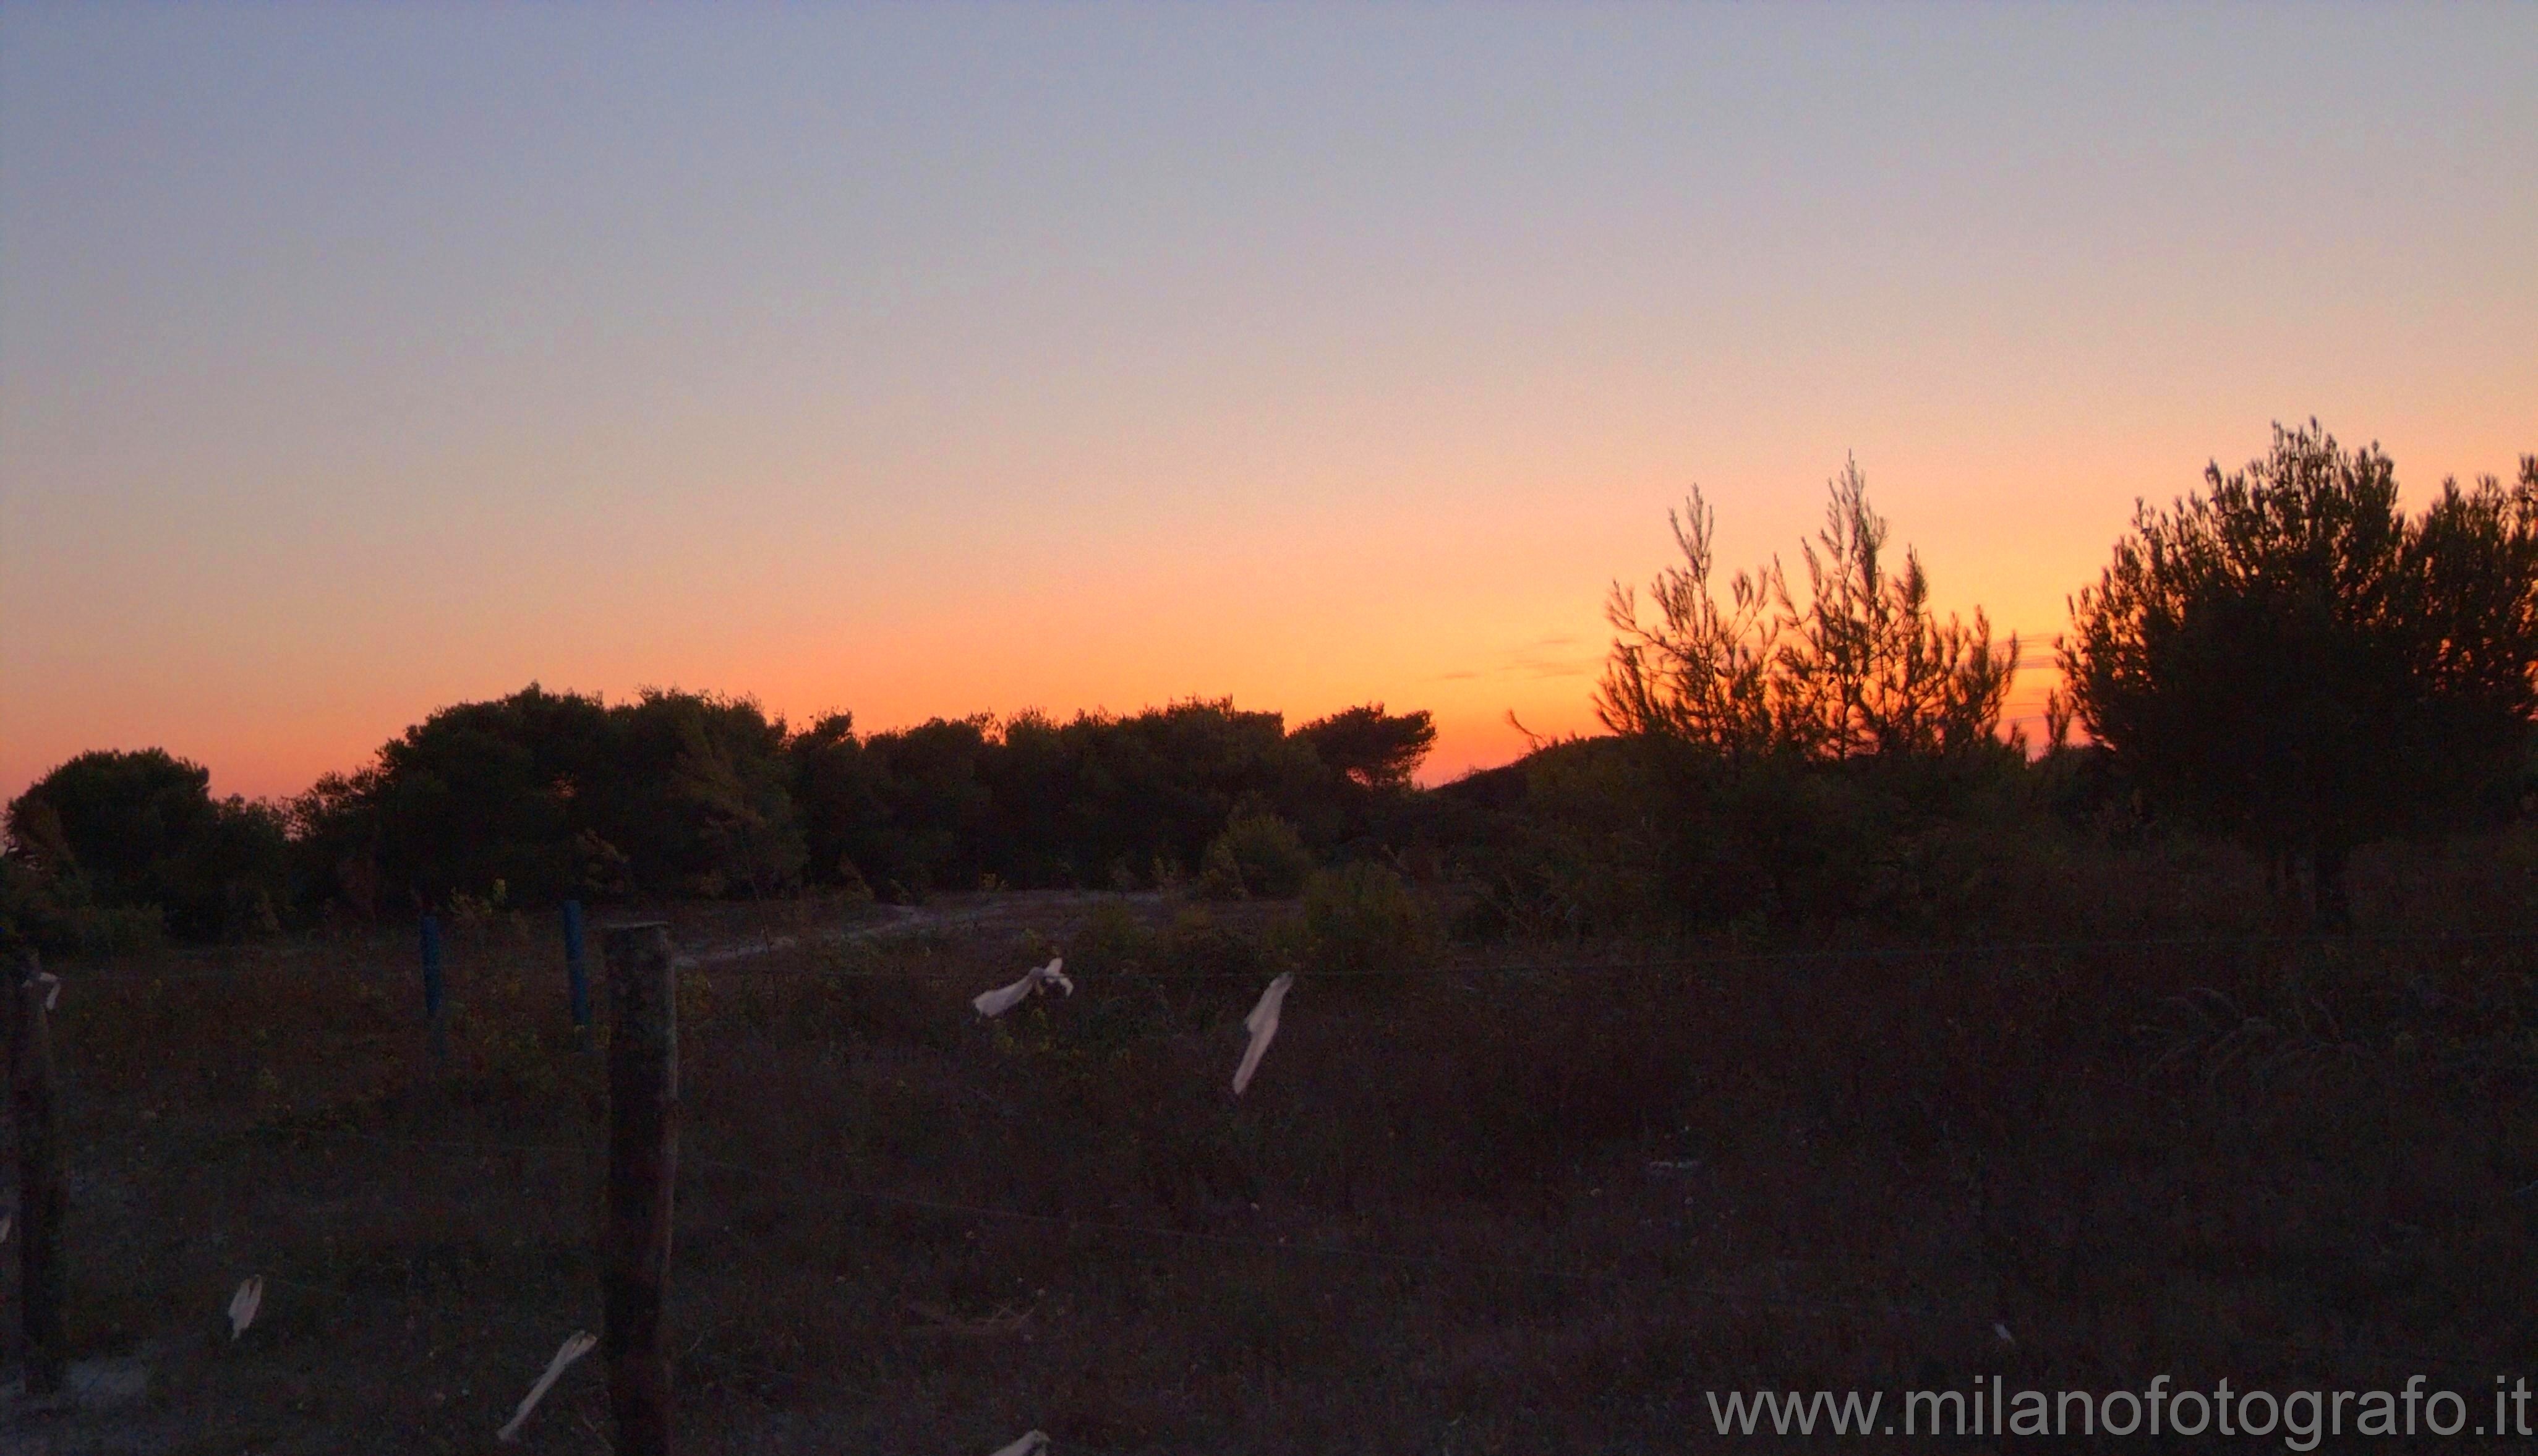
x: 1130, y: 729
x: 363, y: 362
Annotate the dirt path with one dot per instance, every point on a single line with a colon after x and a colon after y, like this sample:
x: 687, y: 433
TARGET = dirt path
x: 978, y: 917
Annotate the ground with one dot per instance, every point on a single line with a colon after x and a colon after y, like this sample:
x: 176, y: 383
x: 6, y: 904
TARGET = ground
x: 1514, y: 1199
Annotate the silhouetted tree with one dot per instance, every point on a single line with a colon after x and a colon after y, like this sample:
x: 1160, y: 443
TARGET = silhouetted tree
x: 540, y: 795
x: 1865, y: 669
x: 548, y: 794
x: 2288, y: 659
x: 1154, y: 787
x: 1783, y: 760
x: 1097, y: 800
x: 693, y: 789
x: 1370, y: 747
x: 936, y: 803
x: 476, y: 793
x: 121, y: 819
x: 141, y: 829
x: 837, y: 788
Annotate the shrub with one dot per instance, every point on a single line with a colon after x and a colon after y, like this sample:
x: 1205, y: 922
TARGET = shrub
x: 1651, y: 835
x: 1110, y: 940
x: 1865, y: 669
x: 1257, y: 854
x: 851, y: 884
x: 1566, y: 843
x: 1198, y: 945
x: 55, y: 915
x: 1361, y: 916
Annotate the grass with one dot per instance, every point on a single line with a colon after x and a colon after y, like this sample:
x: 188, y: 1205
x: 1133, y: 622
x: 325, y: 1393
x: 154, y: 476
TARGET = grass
x: 1480, y: 1208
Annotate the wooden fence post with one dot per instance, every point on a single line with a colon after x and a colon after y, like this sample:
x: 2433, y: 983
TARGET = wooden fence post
x: 642, y: 1173
x: 575, y: 972
x: 434, y: 1002
x: 42, y: 1285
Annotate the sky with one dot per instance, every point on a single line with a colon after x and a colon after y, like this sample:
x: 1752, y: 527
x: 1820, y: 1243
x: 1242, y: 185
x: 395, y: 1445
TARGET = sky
x: 356, y: 361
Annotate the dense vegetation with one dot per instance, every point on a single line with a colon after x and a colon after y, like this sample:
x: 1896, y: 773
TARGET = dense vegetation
x: 2290, y: 660
x: 541, y: 795
x: 2285, y: 661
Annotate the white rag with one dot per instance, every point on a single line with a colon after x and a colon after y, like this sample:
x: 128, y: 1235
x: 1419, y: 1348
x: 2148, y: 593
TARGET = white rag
x: 1036, y: 1441
x: 575, y: 1348
x: 242, y: 1306
x: 1262, y: 1023
x: 1003, y: 999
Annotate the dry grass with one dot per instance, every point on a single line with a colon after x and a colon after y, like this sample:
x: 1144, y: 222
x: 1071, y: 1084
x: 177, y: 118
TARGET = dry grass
x: 1474, y: 1211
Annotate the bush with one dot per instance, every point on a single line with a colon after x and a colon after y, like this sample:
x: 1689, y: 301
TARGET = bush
x: 1258, y: 854
x: 1197, y: 945
x: 1654, y: 836
x: 1570, y: 842
x: 1363, y: 916
x: 55, y: 916
x: 1110, y: 940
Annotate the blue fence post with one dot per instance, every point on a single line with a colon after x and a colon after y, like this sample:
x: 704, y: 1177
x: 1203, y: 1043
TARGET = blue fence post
x: 576, y: 968
x: 434, y: 1004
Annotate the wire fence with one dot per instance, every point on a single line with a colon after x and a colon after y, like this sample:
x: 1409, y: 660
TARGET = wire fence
x: 701, y: 1351
x: 735, y: 960
x: 1974, y: 1314
x: 1964, y: 1311
x: 1970, y: 1315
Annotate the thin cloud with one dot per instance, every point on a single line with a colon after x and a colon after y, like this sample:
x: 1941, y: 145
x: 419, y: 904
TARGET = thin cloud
x: 1542, y: 657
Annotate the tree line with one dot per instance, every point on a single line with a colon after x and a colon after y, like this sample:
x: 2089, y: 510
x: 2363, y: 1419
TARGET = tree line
x: 2285, y: 659
x: 540, y: 795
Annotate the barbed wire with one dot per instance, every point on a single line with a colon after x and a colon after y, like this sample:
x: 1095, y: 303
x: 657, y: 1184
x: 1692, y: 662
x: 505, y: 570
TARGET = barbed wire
x: 833, y: 1194
x: 949, y: 1207
x: 840, y: 1388
x: 1777, y: 1303
x: 502, y: 1313
x: 1692, y: 959
x: 1773, y: 1303
x: 734, y: 961
x: 285, y: 1132
x: 704, y: 1351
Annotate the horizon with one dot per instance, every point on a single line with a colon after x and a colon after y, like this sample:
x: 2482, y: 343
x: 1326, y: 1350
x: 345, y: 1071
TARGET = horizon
x: 915, y: 363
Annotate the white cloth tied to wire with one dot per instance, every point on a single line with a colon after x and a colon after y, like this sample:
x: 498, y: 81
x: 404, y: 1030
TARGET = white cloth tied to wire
x: 1003, y: 999
x: 1029, y: 1445
x: 243, y: 1305
x: 1262, y: 1023
x: 578, y: 1344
